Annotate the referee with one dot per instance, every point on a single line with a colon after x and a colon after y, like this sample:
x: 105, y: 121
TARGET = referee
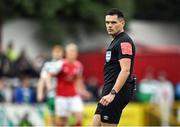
x: 119, y: 60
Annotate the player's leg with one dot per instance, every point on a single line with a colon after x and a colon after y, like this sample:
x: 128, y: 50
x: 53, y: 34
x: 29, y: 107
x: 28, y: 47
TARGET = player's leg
x: 97, y: 116
x: 79, y: 117
x: 96, y: 120
x: 76, y: 107
x: 109, y: 115
x: 61, y: 111
x: 51, y: 106
x: 61, y: 121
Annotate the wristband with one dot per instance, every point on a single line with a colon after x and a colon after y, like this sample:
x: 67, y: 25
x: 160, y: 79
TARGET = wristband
x: 113, y: 92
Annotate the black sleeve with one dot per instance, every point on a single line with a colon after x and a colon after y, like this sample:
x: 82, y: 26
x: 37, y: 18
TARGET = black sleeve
x: 124, y: 50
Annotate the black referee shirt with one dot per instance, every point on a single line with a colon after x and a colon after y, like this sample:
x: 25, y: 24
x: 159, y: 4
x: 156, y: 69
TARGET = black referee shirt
x: 121, y: 47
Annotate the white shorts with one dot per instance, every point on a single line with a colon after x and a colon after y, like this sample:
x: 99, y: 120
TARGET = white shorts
x: 66, y: 105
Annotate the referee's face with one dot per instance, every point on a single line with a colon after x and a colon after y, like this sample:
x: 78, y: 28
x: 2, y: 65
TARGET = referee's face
x: 114, y: 25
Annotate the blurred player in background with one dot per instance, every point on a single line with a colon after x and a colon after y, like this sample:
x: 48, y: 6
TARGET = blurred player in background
x: 56, y: 54
x: 70, y: 87
x: 165, y: 98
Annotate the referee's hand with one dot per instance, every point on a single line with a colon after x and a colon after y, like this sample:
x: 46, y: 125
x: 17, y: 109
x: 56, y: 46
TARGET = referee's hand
x: 106, y: 100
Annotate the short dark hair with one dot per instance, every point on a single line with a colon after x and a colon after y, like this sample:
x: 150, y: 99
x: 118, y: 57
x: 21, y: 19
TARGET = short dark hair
x: 115, y: 11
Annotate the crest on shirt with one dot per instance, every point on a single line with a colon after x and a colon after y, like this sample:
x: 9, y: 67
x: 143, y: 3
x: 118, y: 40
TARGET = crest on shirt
x: 126, y: 48
x: 108, y: 56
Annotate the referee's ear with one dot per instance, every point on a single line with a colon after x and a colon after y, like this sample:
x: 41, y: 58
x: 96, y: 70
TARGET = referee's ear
x: 123, y: 22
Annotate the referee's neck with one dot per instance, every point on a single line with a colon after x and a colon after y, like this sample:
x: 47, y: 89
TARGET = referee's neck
x: 113, y: 36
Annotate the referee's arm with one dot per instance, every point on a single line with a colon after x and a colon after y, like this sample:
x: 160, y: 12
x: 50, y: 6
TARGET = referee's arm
x: 125, y: 64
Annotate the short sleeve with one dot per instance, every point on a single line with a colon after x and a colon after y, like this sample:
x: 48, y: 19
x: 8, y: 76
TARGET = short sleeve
x: 53, y: 67
x: 125, y: 50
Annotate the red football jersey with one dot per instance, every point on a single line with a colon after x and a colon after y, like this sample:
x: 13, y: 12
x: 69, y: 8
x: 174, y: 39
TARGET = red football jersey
x: 66, y: 78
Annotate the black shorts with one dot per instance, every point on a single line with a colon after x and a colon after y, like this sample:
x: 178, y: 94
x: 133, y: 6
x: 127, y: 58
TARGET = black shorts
x: 112, y: 112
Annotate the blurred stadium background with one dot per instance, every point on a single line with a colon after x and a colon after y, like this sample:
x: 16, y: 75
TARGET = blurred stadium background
x: 29, y: 28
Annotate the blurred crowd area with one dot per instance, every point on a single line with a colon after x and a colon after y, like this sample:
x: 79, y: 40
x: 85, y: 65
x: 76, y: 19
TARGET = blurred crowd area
x: 22, y: 89
x: 19, y: 76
